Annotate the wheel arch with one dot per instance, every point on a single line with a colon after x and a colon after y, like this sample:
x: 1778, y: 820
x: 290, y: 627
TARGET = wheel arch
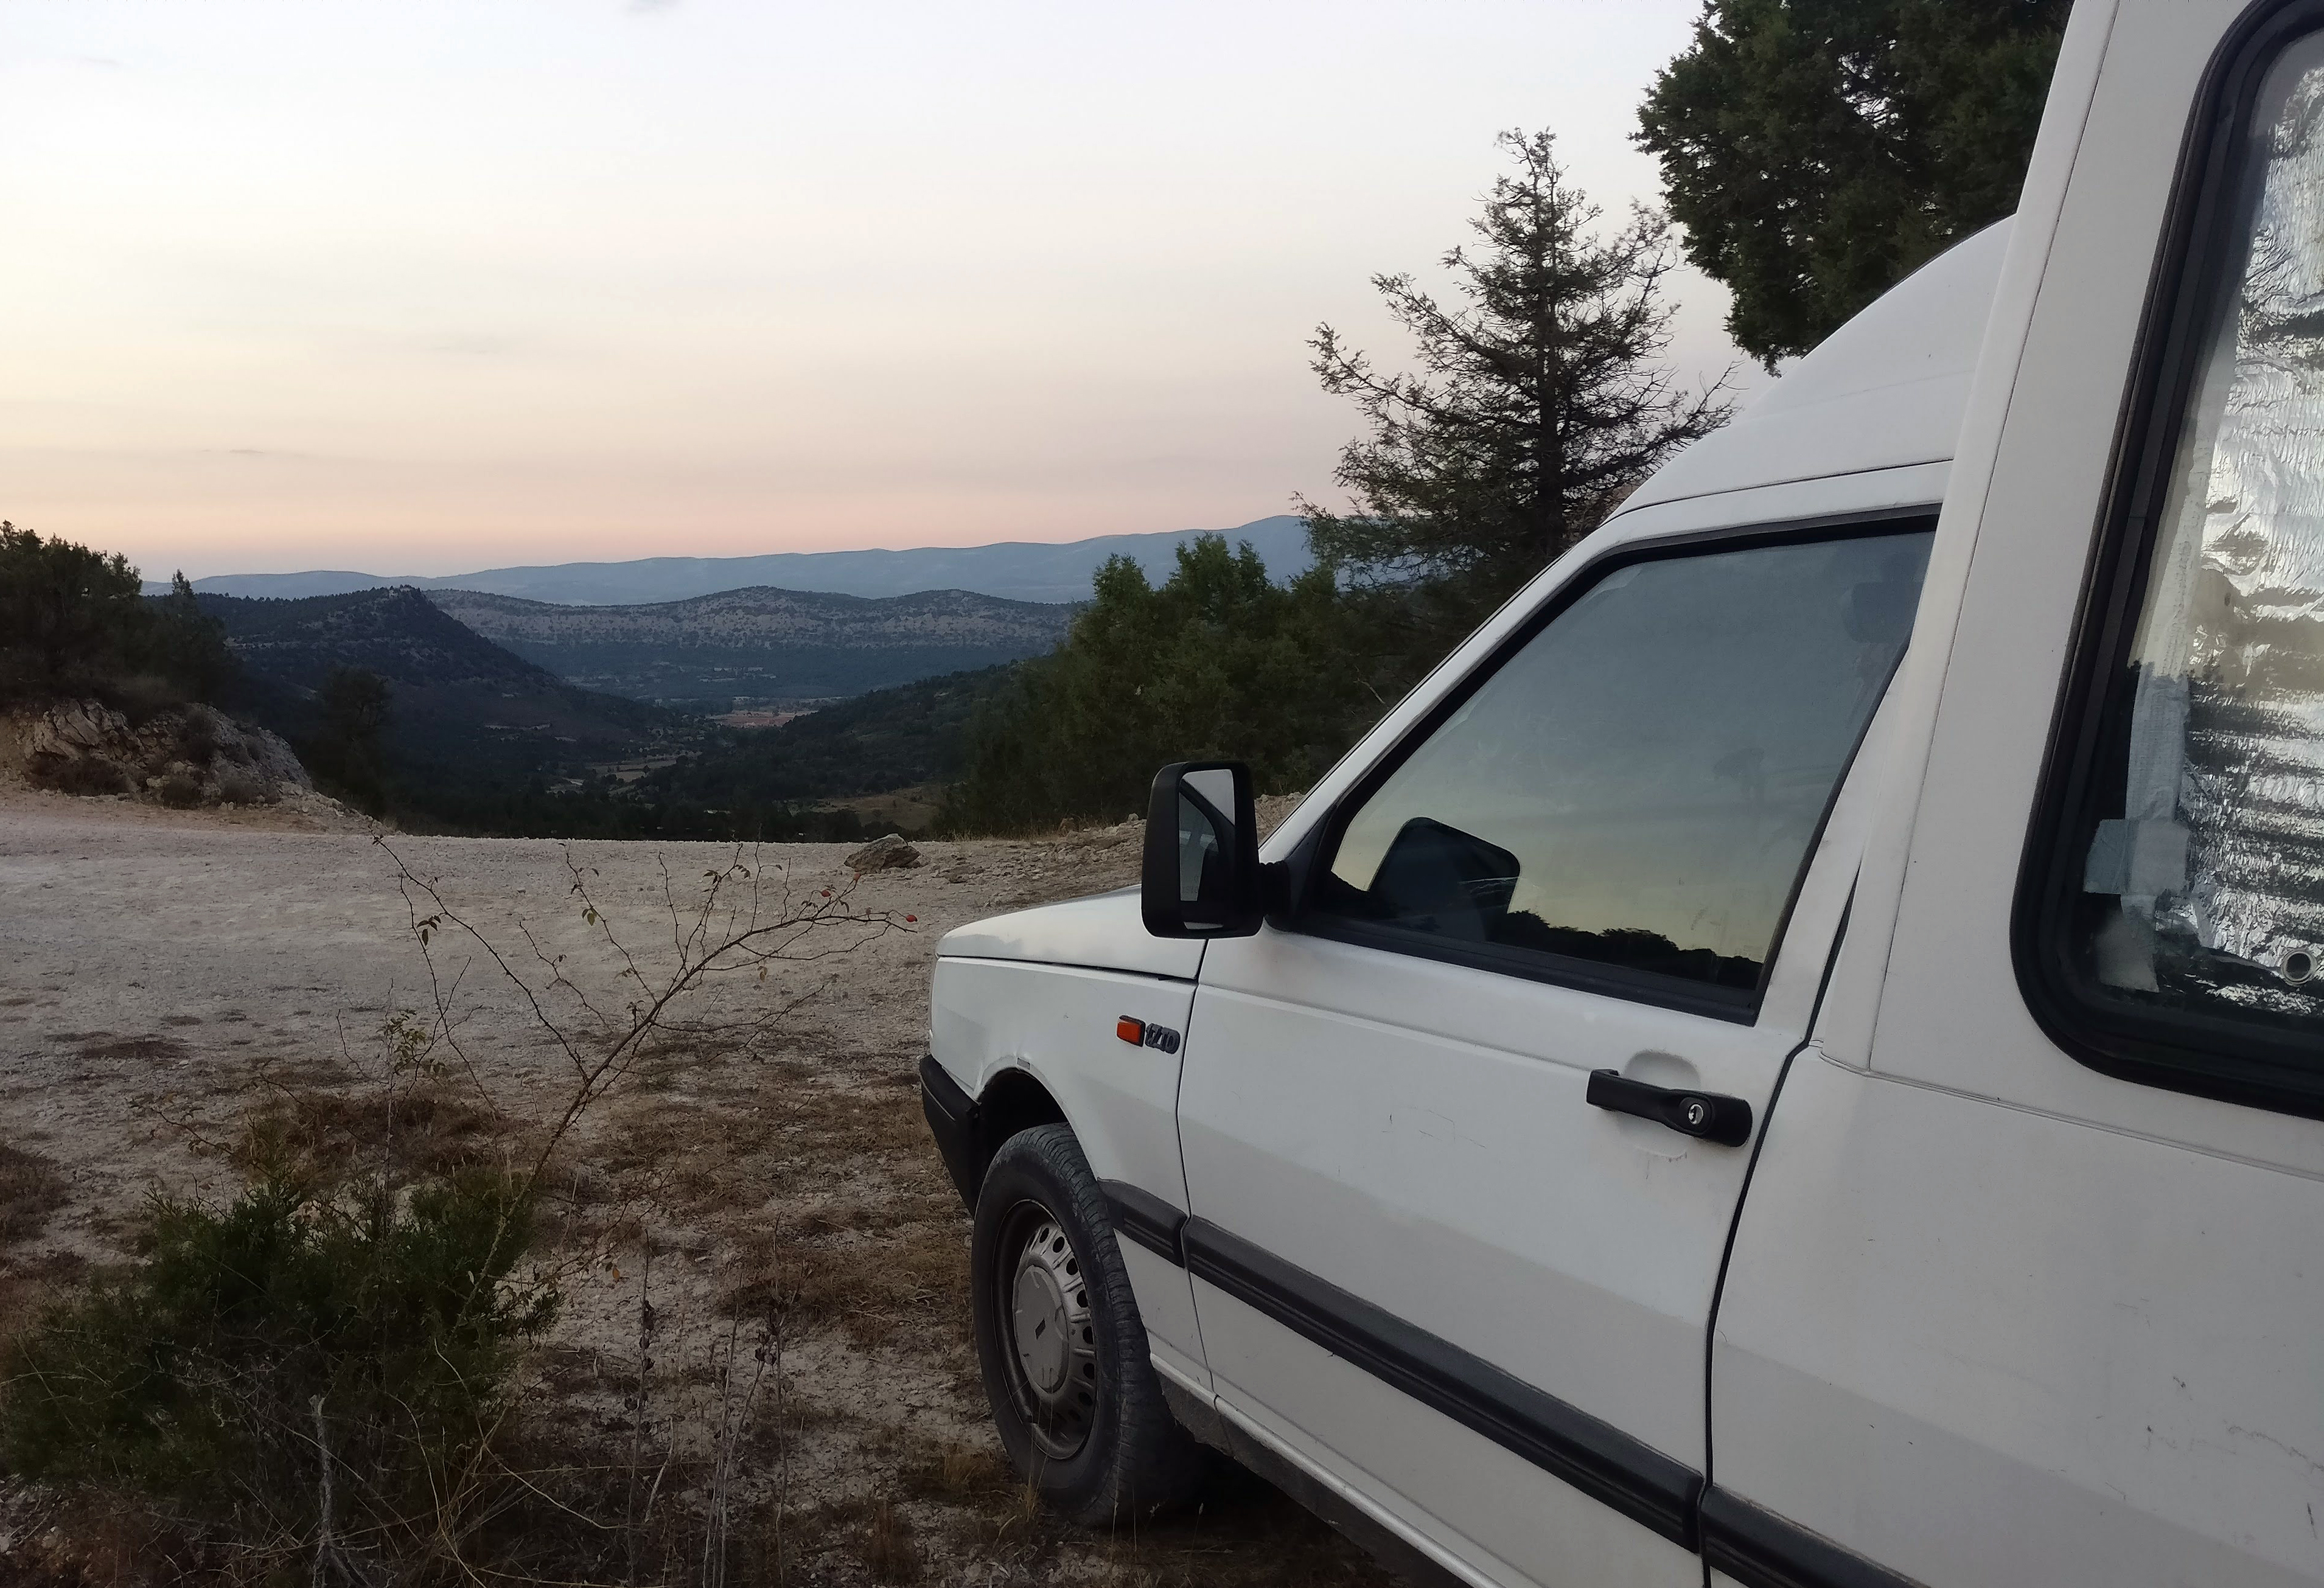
x: 970, y: 1131
x: 1014, y: 1099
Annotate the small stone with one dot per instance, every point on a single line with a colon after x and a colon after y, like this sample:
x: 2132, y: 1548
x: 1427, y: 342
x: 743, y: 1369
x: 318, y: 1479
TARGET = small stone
x: 890, y: 853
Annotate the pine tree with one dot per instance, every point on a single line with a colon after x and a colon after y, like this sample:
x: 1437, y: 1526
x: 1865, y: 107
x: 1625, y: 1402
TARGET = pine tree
x: 1535, y: 405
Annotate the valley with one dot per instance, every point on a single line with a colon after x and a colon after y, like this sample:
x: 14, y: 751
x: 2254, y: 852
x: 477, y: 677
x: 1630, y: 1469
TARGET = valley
x: 760, y: 648
x: 461, y: 708
x: 476, y: 737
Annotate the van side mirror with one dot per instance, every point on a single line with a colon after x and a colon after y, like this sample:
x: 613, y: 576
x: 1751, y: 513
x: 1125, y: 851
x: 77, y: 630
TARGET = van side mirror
x: 1201, y: 875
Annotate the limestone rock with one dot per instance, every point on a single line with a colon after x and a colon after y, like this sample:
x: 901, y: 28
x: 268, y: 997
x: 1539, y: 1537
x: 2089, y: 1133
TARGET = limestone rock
x: 890, y: 853
x: 192, y: 755
x: 77, y: 729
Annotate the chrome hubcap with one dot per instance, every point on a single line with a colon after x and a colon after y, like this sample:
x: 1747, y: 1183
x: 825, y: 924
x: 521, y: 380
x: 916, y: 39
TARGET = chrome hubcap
x: 1052, y: 1339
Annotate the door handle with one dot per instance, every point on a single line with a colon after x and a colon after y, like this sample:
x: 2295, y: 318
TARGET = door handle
x: 1705, y: 1116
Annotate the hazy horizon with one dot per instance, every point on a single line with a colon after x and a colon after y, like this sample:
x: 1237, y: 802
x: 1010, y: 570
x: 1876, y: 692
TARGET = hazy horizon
x: 444, y: 287
x: 162, y: 580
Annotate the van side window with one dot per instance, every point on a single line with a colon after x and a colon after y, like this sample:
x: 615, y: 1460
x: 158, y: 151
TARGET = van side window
x: 1630, y: 796
x: 2187, y: 884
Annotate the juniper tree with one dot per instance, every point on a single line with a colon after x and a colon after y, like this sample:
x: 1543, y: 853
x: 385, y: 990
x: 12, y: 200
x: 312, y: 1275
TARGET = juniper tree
x: 1815, y: 152
x: 1536, y: 403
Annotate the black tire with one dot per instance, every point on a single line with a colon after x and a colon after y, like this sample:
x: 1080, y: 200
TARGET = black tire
x: 1077, y: 1405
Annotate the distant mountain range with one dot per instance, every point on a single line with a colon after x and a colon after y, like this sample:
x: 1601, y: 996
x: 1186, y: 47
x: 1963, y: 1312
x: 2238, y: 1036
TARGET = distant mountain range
x: 1016, y: 569
x: 761, y: 645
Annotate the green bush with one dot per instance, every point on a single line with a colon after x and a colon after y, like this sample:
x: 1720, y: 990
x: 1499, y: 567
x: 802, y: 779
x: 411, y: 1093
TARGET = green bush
x: 77, y: 774
x: 1216, y: 662
x: 264, y: 1353
x: 237, y: 787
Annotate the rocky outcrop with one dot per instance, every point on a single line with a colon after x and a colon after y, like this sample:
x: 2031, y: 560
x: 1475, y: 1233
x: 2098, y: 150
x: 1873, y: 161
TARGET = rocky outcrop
x: 193, y: 754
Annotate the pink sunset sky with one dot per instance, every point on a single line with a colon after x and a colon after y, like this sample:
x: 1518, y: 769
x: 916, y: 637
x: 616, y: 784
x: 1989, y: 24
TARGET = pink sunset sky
x: 424, y: 288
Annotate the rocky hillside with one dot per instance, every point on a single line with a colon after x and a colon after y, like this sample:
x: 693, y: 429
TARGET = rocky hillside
x: 463, y: 713
x: 185, y: 756
x: 762, y: 645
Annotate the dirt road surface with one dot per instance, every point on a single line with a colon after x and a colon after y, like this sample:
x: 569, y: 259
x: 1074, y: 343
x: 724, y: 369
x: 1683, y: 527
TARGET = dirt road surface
x: 167, y: 976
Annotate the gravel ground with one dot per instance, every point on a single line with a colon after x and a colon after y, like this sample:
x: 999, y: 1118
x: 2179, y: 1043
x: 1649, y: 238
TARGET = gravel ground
x: 165, y: 974
x: 150, y: 960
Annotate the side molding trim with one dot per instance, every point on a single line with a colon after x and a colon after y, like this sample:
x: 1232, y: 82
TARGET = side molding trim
x: 1760, y: 1549
x: 1144, y: 1218
x: 1562, y: 1440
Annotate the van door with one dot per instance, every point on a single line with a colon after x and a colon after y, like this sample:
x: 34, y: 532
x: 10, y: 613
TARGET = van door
x: 1463, y: 1135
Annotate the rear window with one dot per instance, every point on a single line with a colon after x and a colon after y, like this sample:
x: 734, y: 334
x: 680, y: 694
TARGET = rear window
x: 2183, y: 932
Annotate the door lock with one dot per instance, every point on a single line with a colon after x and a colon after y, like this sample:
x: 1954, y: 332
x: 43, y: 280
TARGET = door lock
x: 1706, y: 1115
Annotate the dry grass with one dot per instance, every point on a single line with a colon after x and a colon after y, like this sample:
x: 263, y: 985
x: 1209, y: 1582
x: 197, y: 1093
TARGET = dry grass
x: 103, y: 1048
x: 888, y: 1549
x: 325, y: 1139
x: 830, y: 1207
x: 826, y: 1209
x: 31, y: 1187
x: 961, y: 1475
x: 32, y: 1191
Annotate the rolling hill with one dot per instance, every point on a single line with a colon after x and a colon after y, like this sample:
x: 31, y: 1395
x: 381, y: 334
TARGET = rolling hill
x: 761, y: 645
x: 464, y: 713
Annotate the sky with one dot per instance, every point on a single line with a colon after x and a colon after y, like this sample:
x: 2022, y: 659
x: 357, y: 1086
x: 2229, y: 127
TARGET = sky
x: 426, y: 287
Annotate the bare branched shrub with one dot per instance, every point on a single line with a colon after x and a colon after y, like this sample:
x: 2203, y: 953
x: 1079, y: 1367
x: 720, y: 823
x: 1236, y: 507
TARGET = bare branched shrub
x: 745, y: 924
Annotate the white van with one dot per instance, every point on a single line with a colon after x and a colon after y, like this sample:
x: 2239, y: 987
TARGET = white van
x: 1706, y: 1093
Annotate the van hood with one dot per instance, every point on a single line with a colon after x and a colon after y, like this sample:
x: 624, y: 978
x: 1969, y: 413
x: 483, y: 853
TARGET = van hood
x: 1102, y: 933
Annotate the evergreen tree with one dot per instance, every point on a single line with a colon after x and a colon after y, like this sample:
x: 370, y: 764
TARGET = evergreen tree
x: 69, y: 617
x: 1535, y: 405
x: 348, y: 752
x: 186, y: 645
x: 1216, y: 662
x: 74, y: 620
x: 1815, y: 151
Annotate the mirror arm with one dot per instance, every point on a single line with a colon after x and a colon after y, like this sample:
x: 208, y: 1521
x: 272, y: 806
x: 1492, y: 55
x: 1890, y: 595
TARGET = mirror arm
x: 1275, y: 889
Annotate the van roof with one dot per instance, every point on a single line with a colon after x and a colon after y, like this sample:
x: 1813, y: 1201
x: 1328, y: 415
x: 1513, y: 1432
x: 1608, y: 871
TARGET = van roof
x: 1885, y: 391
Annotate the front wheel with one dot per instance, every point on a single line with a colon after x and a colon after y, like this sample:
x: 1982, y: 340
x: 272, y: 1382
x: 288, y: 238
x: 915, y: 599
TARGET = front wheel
x: 1059, y: 1340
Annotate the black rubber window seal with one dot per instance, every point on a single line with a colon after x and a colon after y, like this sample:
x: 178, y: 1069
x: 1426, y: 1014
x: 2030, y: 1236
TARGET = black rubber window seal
x: 2204, y: 1054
